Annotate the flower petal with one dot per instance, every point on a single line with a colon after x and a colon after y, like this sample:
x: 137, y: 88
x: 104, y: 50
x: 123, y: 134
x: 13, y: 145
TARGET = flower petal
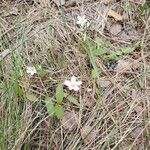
x: 71, y: 87
x: 76, y: 88
x: 73, y: 79
x: 31, y: 70
x: 67, y: 83
x: 78, y: 83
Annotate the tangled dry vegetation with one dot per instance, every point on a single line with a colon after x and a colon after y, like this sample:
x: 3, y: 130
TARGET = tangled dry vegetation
x: 112, y: 60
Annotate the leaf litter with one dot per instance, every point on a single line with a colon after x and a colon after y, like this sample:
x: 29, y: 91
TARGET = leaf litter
x: 64, y: 32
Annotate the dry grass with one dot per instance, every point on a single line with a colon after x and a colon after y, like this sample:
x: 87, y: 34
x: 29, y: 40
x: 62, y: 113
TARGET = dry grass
x: 113, y: 115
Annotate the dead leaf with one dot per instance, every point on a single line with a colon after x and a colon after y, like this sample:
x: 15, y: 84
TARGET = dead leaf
x: 124, y: 36
x: 123, y: 65
x: 71, y: 3
x: 59, y: 2
x: 115, y: 29
x: 116, y: 16
x: 133, y: 33
x: 69, y: 120
x: 87, y: 134
x: 135, y: 65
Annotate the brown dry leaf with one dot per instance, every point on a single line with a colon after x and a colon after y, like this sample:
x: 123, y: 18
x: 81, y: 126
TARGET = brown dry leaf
x: 123, y: 35
x: 87, y: 135
x: 69, y: 120
x: 135, y: 65
x: 59, y: 2
x: 115, y: 29
x: 133, y: 33
x: 123, y: 65
x: 116, y: 16
x: 71, y: 3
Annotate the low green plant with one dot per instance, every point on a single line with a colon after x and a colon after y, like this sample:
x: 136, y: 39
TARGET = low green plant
x: 100, y: 48
x: 94, y: 49
x: 55, y: 108
x: 116, y: 55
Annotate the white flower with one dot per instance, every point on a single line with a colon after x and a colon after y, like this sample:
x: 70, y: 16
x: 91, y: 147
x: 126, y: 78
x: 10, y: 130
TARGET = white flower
x: 31, y: 70
x: 73, y: 84
x: 82, y: 21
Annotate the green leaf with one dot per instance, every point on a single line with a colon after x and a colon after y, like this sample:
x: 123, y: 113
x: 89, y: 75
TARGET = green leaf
x: 100, y: 51
x: 102, y: 43
x: 18, y: 90
x: 39, y: 67
x: 112, y: 56
x: 59, y: 93
x: 59, y: 111
x: 72, y: 99
x: 98, y: 41
x: 127, y: 50
x: 95, y: 73
x: 49, y: 106
x: 41, y: 72
x: 118, y: 53
x: 31, y: 97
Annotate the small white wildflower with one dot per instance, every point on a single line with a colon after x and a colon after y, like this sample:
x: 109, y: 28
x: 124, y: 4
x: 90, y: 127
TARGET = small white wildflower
x: 73, y: 84
x: 31, y: 70
x: 82, y: 21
